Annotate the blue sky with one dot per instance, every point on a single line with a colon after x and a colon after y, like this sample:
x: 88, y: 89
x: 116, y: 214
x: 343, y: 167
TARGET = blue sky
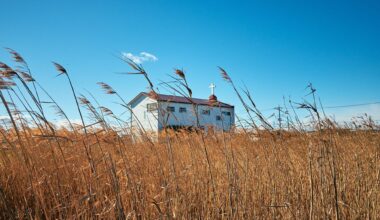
x: 275, y: 48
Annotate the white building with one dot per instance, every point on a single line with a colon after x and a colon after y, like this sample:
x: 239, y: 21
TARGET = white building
x: 154, y: 112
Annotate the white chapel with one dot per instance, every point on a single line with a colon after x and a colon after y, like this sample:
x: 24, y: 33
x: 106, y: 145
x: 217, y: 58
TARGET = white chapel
x: 154, y: 112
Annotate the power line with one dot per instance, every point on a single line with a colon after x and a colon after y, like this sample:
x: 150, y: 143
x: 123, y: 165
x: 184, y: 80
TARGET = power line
x: 352, y: 105
x: 332, y: 107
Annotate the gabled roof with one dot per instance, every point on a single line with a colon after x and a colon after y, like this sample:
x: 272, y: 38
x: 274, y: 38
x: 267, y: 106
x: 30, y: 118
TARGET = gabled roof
x: 181, y: 99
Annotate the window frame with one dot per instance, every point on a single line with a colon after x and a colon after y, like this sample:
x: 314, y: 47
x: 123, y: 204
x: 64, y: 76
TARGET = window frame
x: 206, y: 112
x: 226, y: 113
x: 170, y: 108
x: 151, y: 107
x: 182, y: 110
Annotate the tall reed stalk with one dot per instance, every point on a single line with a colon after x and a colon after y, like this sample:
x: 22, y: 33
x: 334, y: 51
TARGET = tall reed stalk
x: 308, y: 169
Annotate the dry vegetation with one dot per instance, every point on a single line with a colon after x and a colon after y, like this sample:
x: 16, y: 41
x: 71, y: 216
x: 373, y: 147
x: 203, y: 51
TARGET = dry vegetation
x: 98, y: 170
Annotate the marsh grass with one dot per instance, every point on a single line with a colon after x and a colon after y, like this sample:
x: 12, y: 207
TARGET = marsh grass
x: 256, y: 171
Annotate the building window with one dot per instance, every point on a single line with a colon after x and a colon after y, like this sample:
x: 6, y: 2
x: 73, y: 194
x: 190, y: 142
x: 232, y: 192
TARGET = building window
x: 206, y: 112
x: 218, y: 118
x: 151, y: 107
x: 170, y: 109
x: 182, y: 109
x: 226, y: 113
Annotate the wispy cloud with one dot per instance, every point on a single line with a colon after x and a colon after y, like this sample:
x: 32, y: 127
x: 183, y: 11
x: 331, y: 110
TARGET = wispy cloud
x: 142, y: 57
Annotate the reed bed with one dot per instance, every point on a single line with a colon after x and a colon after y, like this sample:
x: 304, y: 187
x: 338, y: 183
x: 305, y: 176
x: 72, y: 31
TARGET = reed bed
x: 103, y: 170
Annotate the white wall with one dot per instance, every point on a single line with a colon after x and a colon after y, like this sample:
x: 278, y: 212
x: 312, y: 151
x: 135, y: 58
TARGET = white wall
x: 141, y: 117
x: 154, y: 121
x: 189, y: 119
x: 225, y: 123
x: 176, y: 118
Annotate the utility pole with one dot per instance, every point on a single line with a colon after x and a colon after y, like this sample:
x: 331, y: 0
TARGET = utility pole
x: 279, y: 109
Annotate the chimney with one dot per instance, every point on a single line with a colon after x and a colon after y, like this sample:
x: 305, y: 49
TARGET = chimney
x: 212, y: 98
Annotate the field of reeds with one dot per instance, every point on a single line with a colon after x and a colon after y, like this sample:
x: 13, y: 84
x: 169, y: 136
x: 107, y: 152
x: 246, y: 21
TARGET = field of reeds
x: 100, y: 168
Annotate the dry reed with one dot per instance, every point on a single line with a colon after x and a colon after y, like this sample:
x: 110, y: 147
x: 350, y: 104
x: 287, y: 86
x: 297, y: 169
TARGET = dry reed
x: 256, y: 171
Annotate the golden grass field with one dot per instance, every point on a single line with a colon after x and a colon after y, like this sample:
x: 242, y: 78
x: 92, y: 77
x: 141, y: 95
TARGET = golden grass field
x: 100, y: 171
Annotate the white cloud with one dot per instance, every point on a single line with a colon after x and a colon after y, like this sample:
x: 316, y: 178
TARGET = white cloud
x: 63, y: 123
x: 142, y: 57
x: 4, y: 117
x: 15, y: 117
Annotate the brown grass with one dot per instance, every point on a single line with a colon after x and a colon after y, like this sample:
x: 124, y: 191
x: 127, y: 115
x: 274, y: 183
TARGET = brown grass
x: 253, y: 172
